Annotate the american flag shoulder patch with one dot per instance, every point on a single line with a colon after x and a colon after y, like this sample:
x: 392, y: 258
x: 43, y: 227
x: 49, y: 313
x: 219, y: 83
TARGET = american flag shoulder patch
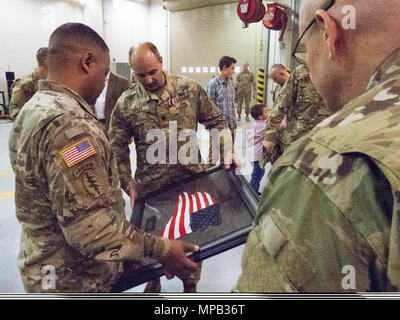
x: 77, y: 152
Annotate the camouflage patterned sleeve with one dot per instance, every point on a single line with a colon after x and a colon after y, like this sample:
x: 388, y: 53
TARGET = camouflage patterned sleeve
x: 281, y: 107
x: 209, y: 115
x: 86, y: 197
x: 312, y: 243
x: 120, y: 138
x: 20, y: 94
x: 253, y: 83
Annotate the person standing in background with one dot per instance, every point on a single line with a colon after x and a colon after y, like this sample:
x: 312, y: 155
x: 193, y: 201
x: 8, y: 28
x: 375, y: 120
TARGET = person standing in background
x: 280, y: 75
x: 255, y: 138
x: 24, y: 88
x: 114, y: 86
x: 245, y: 85
x: 303, y: 107
x: 221, y: 91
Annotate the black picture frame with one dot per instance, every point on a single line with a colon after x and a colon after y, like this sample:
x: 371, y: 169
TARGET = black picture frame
x: 133, y: 277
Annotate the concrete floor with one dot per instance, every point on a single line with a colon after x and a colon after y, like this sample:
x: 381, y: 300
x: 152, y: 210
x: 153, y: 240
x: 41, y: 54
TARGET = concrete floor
x: 216, y: 277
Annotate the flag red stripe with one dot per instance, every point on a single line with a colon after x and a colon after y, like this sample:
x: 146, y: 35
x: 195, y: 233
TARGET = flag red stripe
x: 172, y: 225
x: 182, y: 231
x: 198, y: 201
x: 190, y: 203
x: 176, y: 210
x: 205, y: 199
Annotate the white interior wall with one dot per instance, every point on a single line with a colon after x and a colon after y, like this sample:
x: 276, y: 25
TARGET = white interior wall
x: 26, y: 25
x: 126, y: 23
x: 158, y: 30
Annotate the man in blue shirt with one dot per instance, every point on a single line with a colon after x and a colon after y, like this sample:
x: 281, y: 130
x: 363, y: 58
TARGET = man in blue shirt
x: 222, y: 92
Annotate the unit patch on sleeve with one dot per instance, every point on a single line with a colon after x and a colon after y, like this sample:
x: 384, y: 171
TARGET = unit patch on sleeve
x: 77, y: 152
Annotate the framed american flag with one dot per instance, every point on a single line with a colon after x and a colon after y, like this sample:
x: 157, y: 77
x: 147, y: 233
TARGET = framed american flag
x: 214, y: 210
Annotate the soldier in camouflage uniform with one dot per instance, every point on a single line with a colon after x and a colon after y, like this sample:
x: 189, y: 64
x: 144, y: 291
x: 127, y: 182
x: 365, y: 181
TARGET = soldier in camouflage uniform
x: 303, y: 107
x: 328, y: 220
x: 169, y: 103
x: 279, y: 74
x: 245, y: 84
x: 67, y: 194
x: 24, y: 88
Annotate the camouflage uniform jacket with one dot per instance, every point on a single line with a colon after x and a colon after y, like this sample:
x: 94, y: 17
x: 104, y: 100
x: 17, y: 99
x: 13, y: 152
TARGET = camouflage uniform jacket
x: 304, y: 107
x: 21, y: 91
x: 328, y: 220
x: 276, y: 93
x: 139, y: 113
x: 245, y: 81
x: 68, y: 198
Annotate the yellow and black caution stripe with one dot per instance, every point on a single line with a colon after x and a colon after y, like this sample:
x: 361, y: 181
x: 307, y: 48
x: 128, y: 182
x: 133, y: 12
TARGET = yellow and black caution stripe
x: 260, y: 86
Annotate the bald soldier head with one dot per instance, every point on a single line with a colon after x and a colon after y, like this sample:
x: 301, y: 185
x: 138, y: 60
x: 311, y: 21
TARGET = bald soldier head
x: 341, y: 59
x: 279, y: 74
x: 147, y: 64
x: 78, y: 58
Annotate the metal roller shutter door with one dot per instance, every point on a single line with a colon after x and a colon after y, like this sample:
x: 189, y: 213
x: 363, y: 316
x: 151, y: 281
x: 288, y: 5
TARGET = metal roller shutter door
x: 200, y: 37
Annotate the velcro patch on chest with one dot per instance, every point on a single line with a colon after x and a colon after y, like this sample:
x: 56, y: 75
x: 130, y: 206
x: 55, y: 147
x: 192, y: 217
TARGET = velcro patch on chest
x: 78, y: 152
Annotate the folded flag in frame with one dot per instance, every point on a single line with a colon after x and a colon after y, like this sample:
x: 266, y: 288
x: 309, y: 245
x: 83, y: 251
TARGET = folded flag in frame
x: 193, y: 212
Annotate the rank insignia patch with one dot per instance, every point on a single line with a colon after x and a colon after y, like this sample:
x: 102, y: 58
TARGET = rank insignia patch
x: 77, y: 152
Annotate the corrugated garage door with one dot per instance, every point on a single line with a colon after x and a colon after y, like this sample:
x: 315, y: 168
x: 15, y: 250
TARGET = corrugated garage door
x: 200, y: 37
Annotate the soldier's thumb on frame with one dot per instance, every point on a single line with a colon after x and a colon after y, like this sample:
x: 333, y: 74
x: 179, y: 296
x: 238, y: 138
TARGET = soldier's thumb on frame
x: 189, y: 247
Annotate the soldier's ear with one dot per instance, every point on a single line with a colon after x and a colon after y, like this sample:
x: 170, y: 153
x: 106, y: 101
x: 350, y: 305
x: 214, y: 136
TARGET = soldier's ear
x: 87, y: 60
x: 331, y: 33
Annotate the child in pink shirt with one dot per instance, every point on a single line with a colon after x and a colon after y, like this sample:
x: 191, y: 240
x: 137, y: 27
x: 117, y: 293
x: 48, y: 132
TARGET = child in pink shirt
x: 255, y: 138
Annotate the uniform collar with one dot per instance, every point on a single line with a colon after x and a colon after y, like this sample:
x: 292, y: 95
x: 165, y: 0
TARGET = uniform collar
x: 388, y: 69
x: 59, y: 87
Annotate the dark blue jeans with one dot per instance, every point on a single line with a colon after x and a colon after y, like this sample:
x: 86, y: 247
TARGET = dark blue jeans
x: 256, y: 175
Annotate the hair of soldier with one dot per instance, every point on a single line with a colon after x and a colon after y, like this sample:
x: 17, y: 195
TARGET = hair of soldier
x: 226, y: 62
x: 257, y: 110
x: 278, y: 67
x: 41, y: 56
x: 69, y: 37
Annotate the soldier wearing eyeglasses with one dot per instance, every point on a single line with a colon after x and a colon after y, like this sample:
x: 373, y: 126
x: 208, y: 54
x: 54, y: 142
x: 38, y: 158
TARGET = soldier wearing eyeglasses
x: 328, y: 219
